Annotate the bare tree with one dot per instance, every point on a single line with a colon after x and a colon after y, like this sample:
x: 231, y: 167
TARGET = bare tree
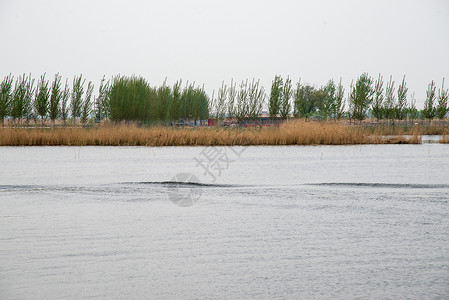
x: 220, y: 104
x: 231, y: 99
x: 256, y: 98
x: 241, y: 110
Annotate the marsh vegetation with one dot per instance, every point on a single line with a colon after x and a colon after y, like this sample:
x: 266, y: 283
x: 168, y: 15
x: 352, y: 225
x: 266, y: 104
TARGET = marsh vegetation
x: 127, y: 110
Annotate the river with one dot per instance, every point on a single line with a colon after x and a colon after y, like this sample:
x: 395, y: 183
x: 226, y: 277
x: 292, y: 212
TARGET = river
x: 292, y: 222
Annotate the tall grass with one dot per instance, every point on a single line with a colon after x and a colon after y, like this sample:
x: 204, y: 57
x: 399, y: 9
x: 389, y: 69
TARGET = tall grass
x: 296, y: 132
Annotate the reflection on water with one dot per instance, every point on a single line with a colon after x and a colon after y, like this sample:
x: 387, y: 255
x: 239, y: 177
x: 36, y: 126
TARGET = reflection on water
x: 281, y: 222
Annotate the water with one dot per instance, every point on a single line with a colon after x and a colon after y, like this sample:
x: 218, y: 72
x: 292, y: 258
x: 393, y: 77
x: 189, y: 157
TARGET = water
x: 324, y: 222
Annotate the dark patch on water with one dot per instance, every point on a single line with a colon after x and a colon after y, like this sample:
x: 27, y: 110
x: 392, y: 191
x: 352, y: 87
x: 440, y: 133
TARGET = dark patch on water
x: 185, y: 184
x: 385, y: 185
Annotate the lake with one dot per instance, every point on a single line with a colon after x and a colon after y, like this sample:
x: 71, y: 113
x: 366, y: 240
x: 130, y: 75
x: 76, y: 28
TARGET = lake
x: 291, y: 222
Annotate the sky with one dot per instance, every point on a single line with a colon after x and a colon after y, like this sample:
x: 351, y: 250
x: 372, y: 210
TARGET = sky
x: 207, y: 42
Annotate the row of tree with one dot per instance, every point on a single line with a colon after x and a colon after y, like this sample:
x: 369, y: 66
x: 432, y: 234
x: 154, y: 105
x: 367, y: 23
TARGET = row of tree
x: 367, y: 94
x: 133, y: 99
x: 122, y: 98
x: 24, y: 101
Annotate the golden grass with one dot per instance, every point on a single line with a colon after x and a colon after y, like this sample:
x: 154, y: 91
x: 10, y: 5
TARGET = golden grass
x: 445, y: 139
x: 296, y: 132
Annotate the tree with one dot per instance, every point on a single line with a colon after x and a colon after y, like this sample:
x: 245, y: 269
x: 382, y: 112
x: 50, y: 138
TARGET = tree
x: 77, y: 97
x: 241, y: 110
x: 317, y: 98
x: 401, y: 106
x: 22, y: 98
x: 303, y: 105
x: 175, y: 105
x: 42, y: 98
x: 65, y: 103
x: 231, y: 99
x: 6, y: 97
x: 377, y: 106
x: 86, y: 107
x: 429, y: 105
x: 102, y: 101
x: 361, y: 97
x: 390, y: 100
x: 297, y: 100
x: 413, y: 112
x: 220, y: 104
x: 442, y: 108
x: 351, y: 96
x: 328, y: 102
x: 28, y: 100
x: 55, y: 98
x: 256, y: 98
x: 339, y: 101
x: 286, y: 95
x: 165, y: 98
x: 274, y: 104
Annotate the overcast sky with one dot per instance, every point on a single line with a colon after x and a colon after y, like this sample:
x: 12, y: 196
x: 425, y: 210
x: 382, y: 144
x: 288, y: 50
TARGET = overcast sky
x: 211, y: 41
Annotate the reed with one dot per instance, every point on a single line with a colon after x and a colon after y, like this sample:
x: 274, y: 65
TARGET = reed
x: 297, y: 132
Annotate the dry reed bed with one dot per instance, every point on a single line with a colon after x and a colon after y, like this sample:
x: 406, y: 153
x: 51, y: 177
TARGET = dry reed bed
x: 292, y: 133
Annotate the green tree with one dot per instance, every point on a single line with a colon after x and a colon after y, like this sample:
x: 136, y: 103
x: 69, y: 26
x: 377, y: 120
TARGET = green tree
x: 65, y: 102
x: 286, y: 95
x: 328, y: 102
x: 303, y: 104
x: 175, y: 105
x: 102, y: 101
x: 401, y: 106
x: 241, y: 110
x: 6, y: 96
x: 413, y: 112
x: 274, y: 103
x: 429, y: 110
x: 339, y: 101
x: 377, y: 106
x: 390, y: 100
x: 41, y: 100
x: 77, y: 97
x: 361, y: 97
x: 130, y: 99
x: 22, y: 98
x: 318, y: 98
x: 55, y: 99
x: 442, y: 108
x: 86, y: 106
x: 165, y: 99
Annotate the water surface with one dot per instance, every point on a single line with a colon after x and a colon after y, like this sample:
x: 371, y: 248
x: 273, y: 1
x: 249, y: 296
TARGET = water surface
x: 270, y: 222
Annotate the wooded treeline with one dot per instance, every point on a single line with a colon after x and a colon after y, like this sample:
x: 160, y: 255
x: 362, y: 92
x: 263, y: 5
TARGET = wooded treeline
x: 131, y: 98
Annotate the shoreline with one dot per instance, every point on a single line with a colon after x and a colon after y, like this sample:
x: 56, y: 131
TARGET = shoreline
x: 293, y: 133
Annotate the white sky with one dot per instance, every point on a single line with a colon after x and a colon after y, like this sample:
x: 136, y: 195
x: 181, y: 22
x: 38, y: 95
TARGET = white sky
x: 210, y: 41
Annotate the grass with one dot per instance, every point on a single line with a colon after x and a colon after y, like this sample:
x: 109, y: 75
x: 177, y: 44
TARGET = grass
x: 296, y: 132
